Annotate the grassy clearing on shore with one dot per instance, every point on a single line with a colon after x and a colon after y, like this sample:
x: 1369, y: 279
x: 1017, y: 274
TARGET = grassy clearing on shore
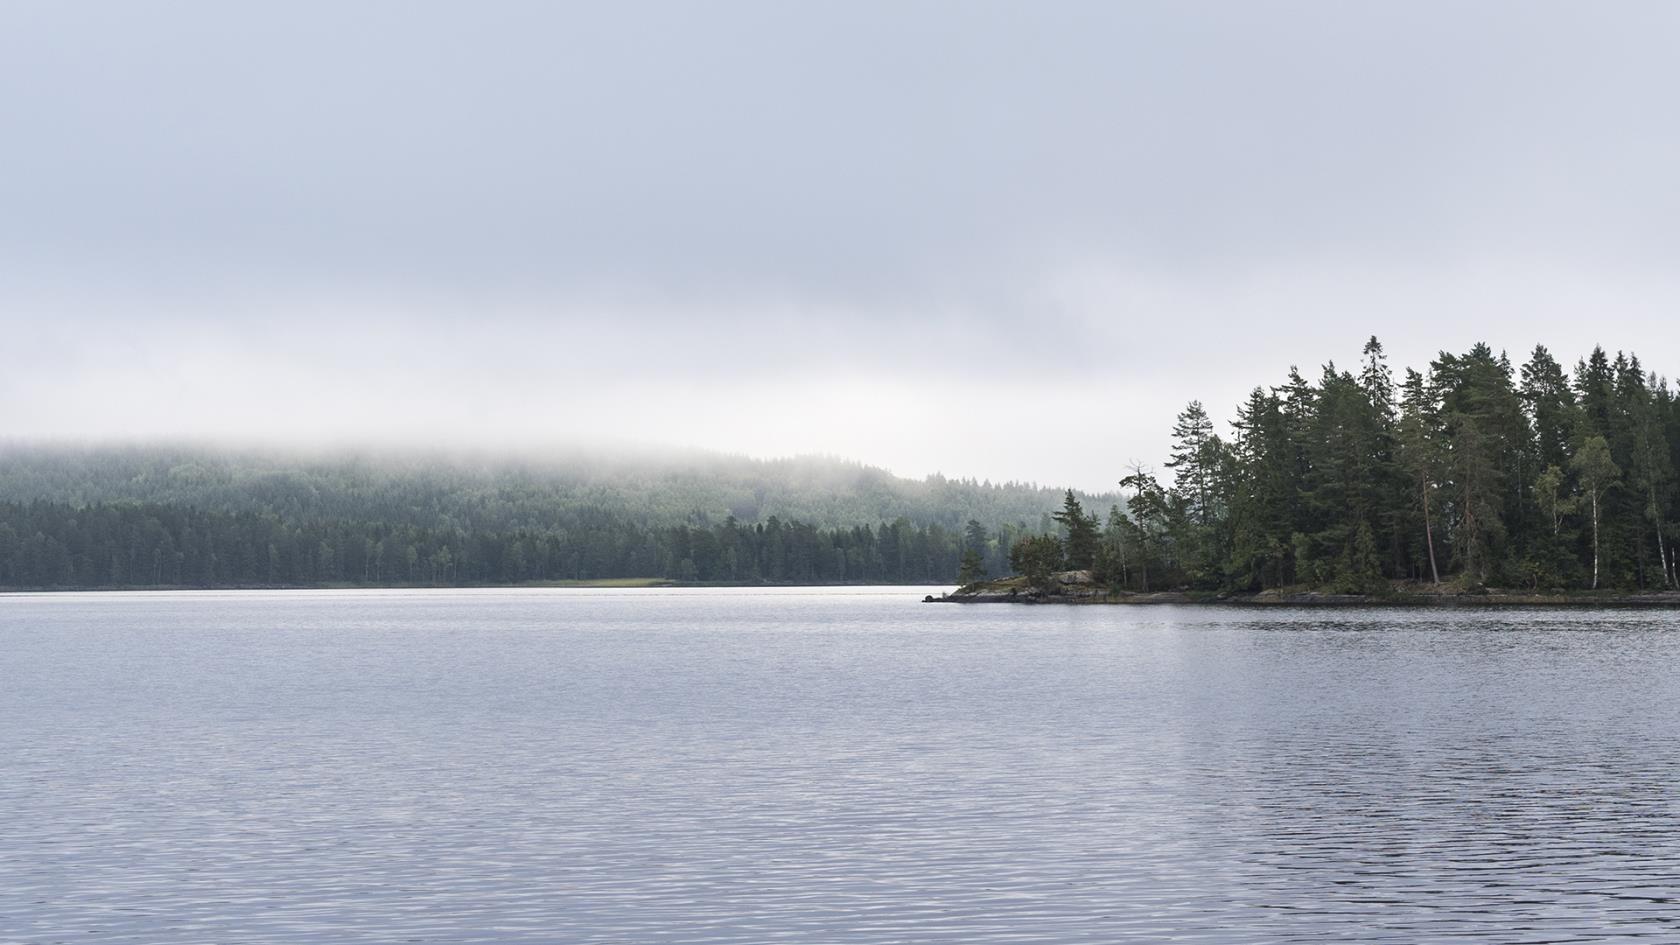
x: 609, y: 582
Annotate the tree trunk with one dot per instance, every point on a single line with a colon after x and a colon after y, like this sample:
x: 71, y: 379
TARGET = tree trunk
x: 1662, y: 555
x: 1651, y: 496
x: 1595, y: 538
x: 1429, y: 532
x: 1471, y: 559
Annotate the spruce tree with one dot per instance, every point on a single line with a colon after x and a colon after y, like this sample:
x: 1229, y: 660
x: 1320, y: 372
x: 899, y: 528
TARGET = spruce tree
x: 1080, y: 543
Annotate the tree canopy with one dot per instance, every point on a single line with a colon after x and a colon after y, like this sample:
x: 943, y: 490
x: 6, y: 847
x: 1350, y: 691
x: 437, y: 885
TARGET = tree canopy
x: 1470, y: 471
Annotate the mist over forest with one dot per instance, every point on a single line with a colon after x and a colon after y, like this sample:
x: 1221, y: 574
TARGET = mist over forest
x: 1474, y: 471
x: 201, y: 516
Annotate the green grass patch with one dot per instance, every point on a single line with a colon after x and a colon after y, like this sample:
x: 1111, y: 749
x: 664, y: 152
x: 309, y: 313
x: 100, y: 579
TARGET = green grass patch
x: 610, y: 582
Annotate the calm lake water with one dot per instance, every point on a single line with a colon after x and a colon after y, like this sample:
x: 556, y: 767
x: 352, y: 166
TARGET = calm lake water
x: 796, y: 766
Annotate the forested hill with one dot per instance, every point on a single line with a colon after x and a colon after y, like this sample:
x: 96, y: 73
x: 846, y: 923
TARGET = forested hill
x: 1472, y: 472
x: 149, y: 516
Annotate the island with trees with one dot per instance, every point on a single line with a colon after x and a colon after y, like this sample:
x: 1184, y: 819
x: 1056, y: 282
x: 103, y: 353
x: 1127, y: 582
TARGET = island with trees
x: 1472, y: 481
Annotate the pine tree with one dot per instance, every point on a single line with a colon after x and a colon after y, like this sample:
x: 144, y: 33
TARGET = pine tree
x: 1151, y: 516
x: 1204, y: 476
x: 1193, y: 461
x: 1261, y: 509
x: 1080, y: 544
x: 1550, y: 406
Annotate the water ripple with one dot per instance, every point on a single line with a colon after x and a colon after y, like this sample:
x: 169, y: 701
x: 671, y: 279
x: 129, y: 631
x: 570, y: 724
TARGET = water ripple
x: 735, y: 767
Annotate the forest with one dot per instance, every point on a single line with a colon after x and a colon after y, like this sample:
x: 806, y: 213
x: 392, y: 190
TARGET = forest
x: 196, y: 517
x: 1472, y: 473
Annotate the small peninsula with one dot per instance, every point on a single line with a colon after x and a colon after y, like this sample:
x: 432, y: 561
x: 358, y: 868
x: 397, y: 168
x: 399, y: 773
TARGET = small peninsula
x: 1077, y: 587
x: 1469, y: 483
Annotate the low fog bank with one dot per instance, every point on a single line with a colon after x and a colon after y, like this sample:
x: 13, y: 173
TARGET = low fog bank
x: 455, y: 485
x: 602, y: 456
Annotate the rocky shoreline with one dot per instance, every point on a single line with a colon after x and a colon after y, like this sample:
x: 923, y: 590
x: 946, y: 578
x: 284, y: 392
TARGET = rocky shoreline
x: 1076, y: 587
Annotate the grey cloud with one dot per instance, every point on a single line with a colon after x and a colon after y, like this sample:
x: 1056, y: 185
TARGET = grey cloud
x: 1117, y: 204
x: 844, y: 148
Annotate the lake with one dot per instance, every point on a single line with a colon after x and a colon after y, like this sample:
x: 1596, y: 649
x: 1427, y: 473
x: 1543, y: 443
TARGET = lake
x: 836, y: 766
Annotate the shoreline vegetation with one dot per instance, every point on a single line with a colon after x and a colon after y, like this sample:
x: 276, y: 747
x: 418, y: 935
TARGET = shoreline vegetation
x: 1077, y: 587
x: 1469, y: 483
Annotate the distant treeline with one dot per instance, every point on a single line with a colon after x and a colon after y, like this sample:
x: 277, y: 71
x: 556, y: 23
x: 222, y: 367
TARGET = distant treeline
x: 503, y: 493
x: 163, y: 518
x: 1472, y: 472
x: 53, y: 545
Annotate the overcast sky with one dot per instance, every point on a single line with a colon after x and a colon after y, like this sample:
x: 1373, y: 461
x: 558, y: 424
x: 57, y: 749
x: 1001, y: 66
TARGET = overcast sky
x: 1002, y: 240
